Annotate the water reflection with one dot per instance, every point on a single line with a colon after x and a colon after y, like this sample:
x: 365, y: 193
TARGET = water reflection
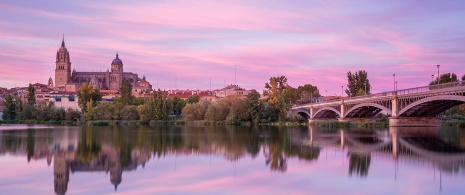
x: 115, y: 150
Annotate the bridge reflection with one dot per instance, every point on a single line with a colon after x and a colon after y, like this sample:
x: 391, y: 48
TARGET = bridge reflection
x: 116, y: 150
x: 413, y: 145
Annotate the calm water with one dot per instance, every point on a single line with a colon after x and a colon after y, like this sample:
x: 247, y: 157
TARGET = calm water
x: 230, y: 160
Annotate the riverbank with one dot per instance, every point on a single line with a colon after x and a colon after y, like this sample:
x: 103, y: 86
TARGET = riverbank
x: 200, y: 123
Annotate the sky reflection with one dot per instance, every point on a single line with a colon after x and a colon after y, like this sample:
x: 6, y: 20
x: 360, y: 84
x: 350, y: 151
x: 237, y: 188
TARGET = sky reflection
x: 212, y: 160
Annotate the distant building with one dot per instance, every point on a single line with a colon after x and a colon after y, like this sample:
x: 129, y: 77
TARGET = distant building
x: 205, y: 95
x: 64, y: 99
x: 67, y: 80
x: 232, y: 90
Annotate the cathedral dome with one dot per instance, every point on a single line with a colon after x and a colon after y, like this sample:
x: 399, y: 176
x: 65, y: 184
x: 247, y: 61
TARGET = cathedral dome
x: 117, y: 61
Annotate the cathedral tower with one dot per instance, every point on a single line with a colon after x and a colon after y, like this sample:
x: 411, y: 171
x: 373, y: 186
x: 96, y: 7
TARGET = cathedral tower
x: 116, y: 74
x: 63, y: 66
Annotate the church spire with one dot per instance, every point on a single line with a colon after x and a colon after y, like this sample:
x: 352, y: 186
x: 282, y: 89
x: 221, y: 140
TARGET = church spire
x: 63, y: 41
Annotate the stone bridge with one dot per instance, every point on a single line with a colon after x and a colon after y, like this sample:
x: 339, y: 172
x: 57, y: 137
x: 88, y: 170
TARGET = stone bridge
x: 408, y: 107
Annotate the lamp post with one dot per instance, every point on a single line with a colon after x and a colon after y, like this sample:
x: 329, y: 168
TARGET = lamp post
x: 438, y: 72
x: 396, y: 85
x: 394, y: 75
x: 432, y: 81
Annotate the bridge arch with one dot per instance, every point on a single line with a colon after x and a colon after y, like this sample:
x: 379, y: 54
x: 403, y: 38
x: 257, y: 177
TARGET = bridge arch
x: 432, y: 154
x: 327, y: 112
x: 303, y: 112
x: 368, y: 110
x: 431, y: 106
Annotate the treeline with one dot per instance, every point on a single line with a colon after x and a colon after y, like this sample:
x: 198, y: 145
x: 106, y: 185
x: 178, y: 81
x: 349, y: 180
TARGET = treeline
x: 233, y: 110
x: 128, y: 107
x: 19, y: 110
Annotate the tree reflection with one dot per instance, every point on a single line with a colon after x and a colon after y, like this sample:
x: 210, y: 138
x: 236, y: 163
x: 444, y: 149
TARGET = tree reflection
x: 30, y: 144
x: 359, y: 164
x: 89, y: 145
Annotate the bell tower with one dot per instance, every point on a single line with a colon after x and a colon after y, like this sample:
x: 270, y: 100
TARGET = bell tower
x: 63, y: 66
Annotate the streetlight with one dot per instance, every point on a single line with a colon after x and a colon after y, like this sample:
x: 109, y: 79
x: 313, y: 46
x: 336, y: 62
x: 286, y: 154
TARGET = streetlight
x: 396, y: 85
x: 394, y: 75
x: 438, y: 72
x: 432, y: 81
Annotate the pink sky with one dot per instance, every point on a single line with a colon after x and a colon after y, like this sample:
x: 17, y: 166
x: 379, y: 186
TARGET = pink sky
x: 308, y: 41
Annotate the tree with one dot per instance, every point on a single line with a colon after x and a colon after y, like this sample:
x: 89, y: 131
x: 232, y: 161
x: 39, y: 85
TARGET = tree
x: 291, y: 95
x: 126, y: 92
x: 253, y: 102
x: 87, y: 93
x: 9, y: 112
x: 275, y: 90
x: 178, y: 105
x: 307, y: 93
x: 159, y: 106
x: 31, y: 95
x: 463, y: 77
x: 357, y: 83
x: 446, y: 78
x: 89, y: 113
x: 72, y: 114
x: 193, y: 99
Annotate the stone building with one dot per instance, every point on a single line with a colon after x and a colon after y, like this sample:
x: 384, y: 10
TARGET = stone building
x: 68, y: 80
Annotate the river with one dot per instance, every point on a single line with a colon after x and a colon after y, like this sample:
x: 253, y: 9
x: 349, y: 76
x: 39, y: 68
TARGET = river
x: 43, y: 159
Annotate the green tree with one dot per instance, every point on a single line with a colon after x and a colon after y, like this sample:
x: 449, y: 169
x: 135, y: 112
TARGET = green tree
x: 307, y: 92
x: 146, y: 111
x: 159, y: 106
x: 178, y: 105
x: 169, y: 106
x: 357, y: 83
x: 291, y: 95
x: 89, y: 113
x: 31, y: 95
x: 275, y: 89
x: 138, y: 101
x: 463, y: 77
x: 10, y: 108
x: 193, y: 99
x: 253, y: 103
x: 446, y: 78
x: 126, y: 92
x: 72, y: 114
x: 129, y: 112
x: 87, y: 93
x: 195, y: 111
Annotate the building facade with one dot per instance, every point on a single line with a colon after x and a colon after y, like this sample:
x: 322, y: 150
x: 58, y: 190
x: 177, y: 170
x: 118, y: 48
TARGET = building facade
x: 68, y: 80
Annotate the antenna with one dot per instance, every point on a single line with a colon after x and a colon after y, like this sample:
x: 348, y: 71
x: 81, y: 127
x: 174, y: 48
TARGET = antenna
x: 235, y: 75
x: 210, y: 84
x: 157, y: 84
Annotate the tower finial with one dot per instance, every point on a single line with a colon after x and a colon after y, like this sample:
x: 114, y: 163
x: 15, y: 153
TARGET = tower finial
x: 117, y: 55
x: 63, y: 41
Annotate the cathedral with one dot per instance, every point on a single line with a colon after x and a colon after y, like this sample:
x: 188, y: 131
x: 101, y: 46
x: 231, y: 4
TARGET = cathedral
x: 67, y: 80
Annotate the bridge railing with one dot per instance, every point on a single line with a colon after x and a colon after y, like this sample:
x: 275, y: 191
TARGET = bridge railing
x: 390, y: 93
x: 430, y: 88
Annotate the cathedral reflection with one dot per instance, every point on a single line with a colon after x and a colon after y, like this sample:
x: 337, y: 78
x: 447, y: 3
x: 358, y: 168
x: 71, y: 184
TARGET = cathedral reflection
x: 115, y: 150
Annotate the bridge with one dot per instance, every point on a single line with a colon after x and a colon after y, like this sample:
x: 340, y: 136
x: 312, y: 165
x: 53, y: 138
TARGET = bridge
x: 418, y: 106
